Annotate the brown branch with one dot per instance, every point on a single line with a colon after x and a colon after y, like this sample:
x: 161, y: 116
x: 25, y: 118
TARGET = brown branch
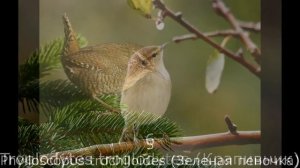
x: 233, y: 137
x: 221, y: 9
x: 178, y: 39
x: 178, y: 18
x: 222, y: 33
x: 182, y: 143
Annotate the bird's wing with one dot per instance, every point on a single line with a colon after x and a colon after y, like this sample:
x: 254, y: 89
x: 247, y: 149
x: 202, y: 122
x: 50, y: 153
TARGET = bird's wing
x: 102, y: 58
x: 132, y: 80
x: 97, y: 61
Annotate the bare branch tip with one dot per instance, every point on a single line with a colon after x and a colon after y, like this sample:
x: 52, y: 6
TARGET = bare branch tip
x: 240, y: 52
x: 231, y: 126
x: 178, y: 14
x: 178, y: 39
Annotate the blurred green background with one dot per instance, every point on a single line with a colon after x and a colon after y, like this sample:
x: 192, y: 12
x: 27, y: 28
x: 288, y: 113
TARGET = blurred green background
x: 191, y: 106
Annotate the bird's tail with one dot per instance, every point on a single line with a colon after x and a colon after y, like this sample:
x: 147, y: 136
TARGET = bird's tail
x: 71, y: 44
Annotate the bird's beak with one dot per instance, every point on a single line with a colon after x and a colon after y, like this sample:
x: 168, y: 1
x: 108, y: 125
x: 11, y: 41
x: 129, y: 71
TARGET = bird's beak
x: 163, y: 45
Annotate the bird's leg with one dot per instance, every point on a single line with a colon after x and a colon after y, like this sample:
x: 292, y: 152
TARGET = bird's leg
x: 135, y: 132
x: 110, y: 108
x: 166, y: 142
x: 127, y: 134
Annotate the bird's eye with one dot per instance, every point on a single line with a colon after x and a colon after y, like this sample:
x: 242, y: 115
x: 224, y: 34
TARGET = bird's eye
x: 144, y: 63
x: 154, y: 54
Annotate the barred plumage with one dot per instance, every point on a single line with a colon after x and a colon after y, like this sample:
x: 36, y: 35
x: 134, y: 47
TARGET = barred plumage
x: 97, y: 69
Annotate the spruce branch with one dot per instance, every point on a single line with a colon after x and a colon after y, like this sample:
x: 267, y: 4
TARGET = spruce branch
x: 177, y: 17
x: 38, y: 65
x: 232, y: 137
x: 85, y: 123
x: 60, y: 92
x: 28, y: 137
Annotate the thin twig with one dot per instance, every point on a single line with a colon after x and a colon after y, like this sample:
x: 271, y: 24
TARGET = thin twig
x: 222, y: 33
x: 250, y: 26
x: 178, y: 18
x: 224, y: 11
x: 178, y: 39
x: 225, y: 33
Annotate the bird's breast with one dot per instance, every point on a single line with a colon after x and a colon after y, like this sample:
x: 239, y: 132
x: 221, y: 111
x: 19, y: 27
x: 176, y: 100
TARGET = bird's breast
x: 151, y: 94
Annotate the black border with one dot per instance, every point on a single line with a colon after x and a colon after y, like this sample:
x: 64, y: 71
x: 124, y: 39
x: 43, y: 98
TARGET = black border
x: 290, y: 137
x: 8, y: 75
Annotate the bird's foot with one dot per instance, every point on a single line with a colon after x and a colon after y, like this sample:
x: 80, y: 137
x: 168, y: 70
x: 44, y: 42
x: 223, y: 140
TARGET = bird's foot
x: 165, y: 142
x: 127, y: 135
x: 130, y: 134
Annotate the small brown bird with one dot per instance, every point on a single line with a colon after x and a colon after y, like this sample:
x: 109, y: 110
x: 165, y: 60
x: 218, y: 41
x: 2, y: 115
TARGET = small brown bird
x: 97, y: 69
x: 147, y: 89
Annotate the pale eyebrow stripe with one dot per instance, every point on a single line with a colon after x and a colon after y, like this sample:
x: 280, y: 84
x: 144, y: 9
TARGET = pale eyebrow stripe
x: 156, y: 51
x: 140, y: 55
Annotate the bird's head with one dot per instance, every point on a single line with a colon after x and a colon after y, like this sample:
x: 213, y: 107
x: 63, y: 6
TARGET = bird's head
x: 147, y: 58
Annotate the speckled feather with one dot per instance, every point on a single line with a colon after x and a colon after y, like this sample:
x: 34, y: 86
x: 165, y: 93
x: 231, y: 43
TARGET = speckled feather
x: 97, y: 69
